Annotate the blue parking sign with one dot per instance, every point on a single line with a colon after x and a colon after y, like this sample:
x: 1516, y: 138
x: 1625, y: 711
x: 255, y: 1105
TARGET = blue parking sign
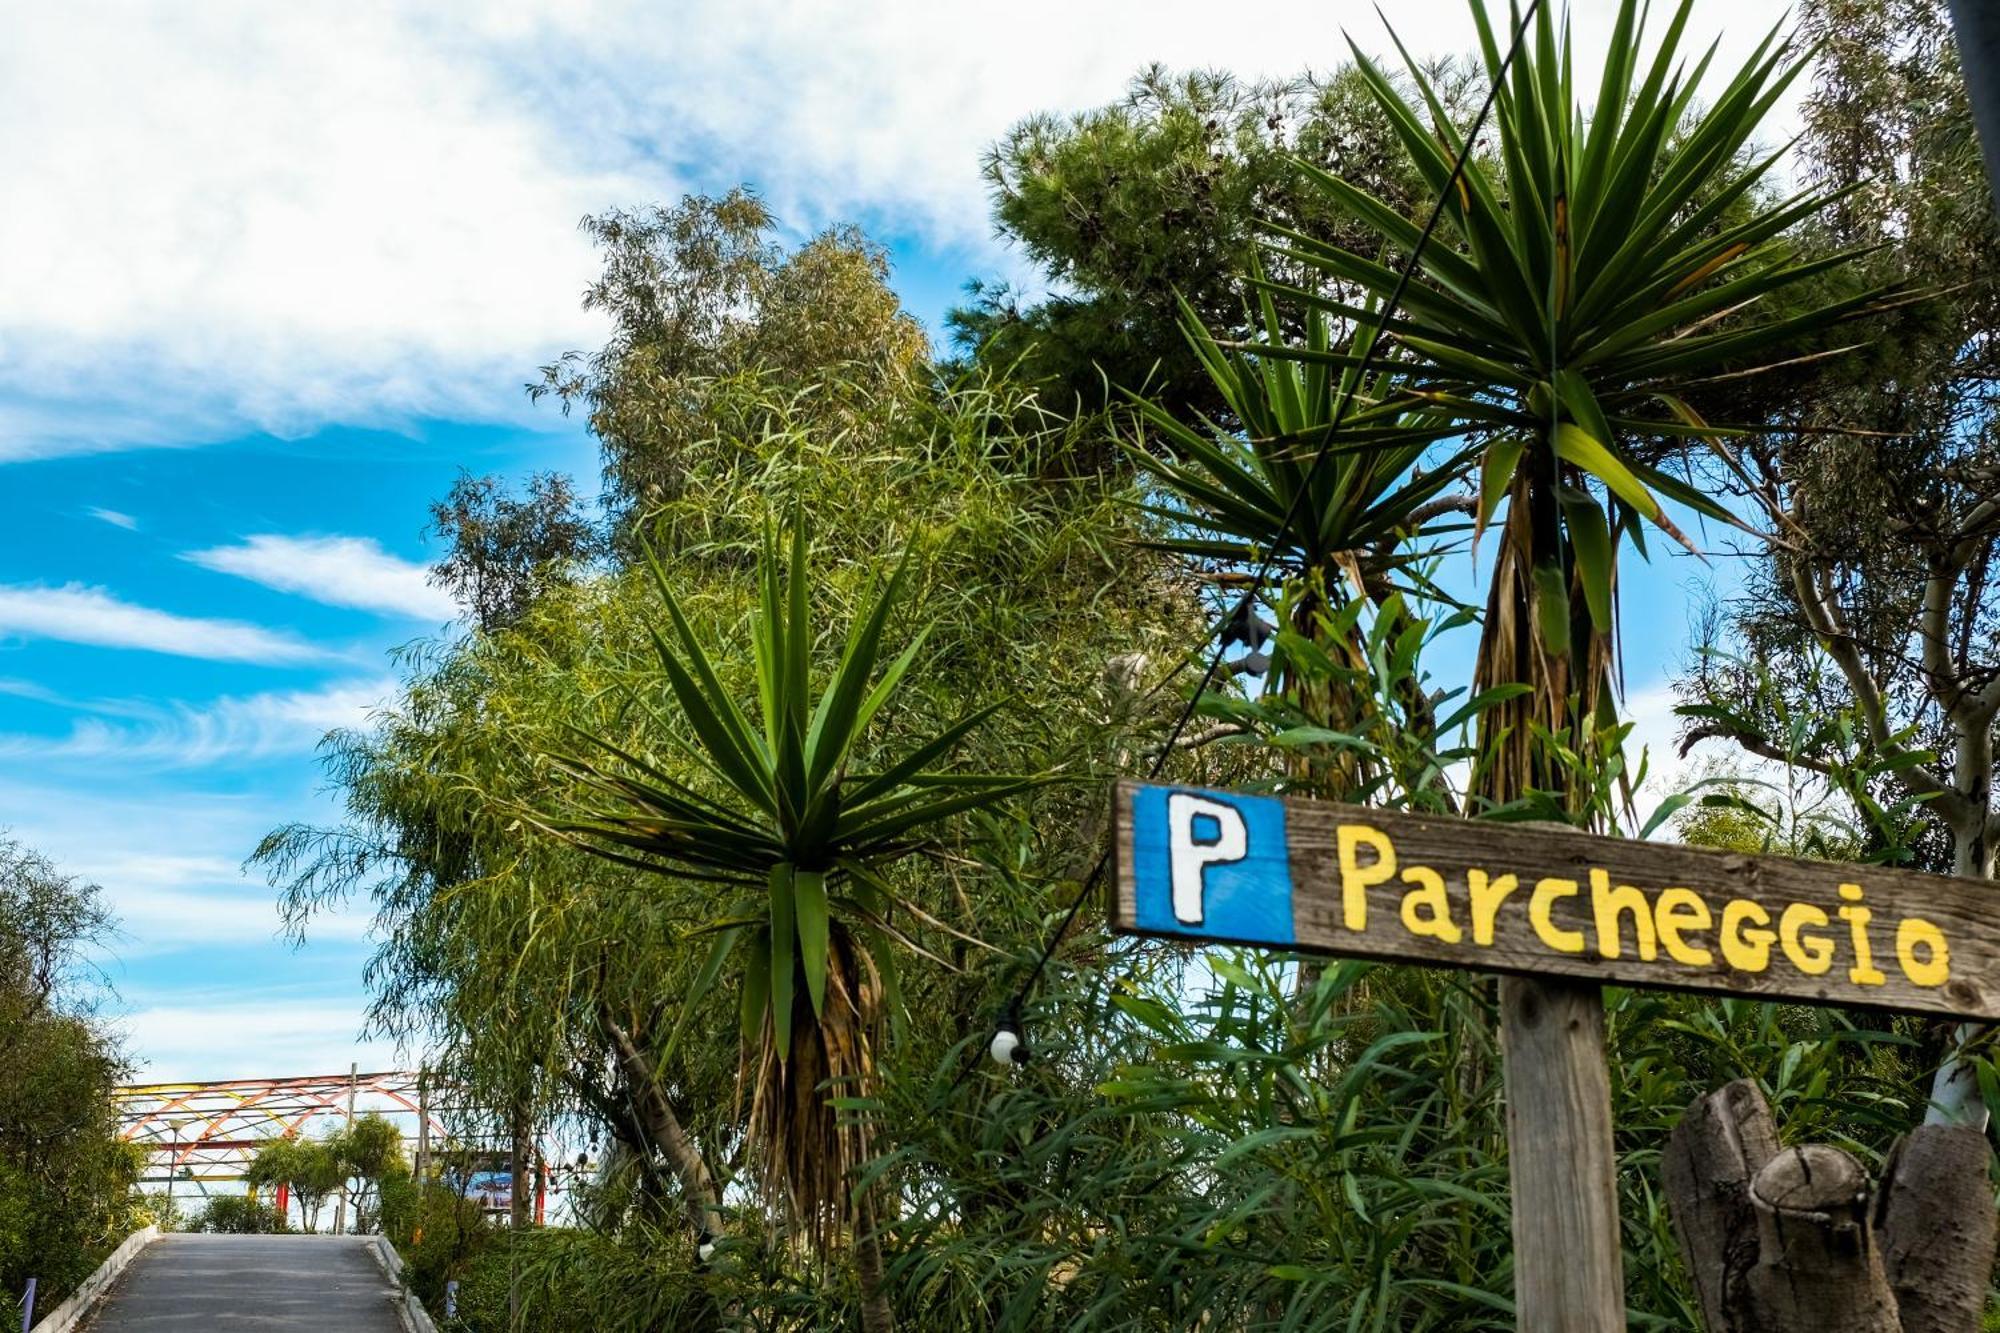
x: 1211, y: 865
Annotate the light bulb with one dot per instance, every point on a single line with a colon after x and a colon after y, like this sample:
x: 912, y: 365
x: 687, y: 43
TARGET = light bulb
x: 1006, y: 1048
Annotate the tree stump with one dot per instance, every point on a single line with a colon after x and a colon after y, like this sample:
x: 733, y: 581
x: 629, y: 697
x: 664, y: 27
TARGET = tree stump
x: 1936, y: 1219
x: 1795, y: 1241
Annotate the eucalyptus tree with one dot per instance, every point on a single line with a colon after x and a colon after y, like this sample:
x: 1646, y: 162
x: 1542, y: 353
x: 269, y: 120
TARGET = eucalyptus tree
x: 1889, y: 499
x: 700, y: 298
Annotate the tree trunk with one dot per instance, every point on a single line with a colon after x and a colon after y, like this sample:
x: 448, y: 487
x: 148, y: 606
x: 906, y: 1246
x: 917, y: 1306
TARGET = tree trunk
x: 519, y: 1133
x: 1819, y: 1269
x: 1718, y: 1148
x: 877, y: 1316
x: 1937, y: 1221
x: 663, y: 1129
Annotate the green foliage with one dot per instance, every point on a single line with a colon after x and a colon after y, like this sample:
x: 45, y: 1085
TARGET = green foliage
x: 239, y: 1215
x: 743, y: 793
x: 702, y: 303
x: 66, y: 1179
x: 311, y: 1169
x: 1135, y: 208
x: 438, y: 1231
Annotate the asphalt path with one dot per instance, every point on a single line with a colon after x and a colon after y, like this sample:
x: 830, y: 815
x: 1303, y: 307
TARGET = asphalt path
x: 251, y: 1284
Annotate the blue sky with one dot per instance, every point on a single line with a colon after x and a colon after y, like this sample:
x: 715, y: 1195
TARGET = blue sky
x: 275, y: 274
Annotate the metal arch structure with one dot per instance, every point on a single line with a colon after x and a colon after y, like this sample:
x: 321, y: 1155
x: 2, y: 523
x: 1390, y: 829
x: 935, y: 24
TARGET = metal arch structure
x: 208, y: 1132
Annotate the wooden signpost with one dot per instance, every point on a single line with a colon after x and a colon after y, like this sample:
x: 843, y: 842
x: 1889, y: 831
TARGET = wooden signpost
x: 1321, y: 877
x: 1570, y: 911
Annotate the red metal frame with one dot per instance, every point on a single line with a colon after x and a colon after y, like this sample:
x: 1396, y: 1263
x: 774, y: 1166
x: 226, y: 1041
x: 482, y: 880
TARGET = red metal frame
x: 208, y: 1132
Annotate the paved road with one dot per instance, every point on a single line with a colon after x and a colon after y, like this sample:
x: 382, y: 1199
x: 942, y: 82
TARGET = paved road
x: 251, y: 1284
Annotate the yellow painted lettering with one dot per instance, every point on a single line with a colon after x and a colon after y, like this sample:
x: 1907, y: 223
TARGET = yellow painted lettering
x: 1356, y: 878
x: 1674, y: 911
x: 1607, y: 903
x: 1746, y: 948
x: 1810, y: 954
x: 1546, y: 893
x: 1487, y: 894
x: 1935, y: 969
x: 1864, y: 972
x: 1427, y: 908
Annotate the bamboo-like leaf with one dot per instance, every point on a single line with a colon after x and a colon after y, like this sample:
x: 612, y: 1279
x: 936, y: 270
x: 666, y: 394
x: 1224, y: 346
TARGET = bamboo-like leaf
x: 704, y: 983
x: 755, y: 1005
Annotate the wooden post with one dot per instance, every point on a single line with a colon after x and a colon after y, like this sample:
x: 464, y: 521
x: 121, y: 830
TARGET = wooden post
x: 423, y: 1128
x: 340, y: 1208
x: 1568, y: 1274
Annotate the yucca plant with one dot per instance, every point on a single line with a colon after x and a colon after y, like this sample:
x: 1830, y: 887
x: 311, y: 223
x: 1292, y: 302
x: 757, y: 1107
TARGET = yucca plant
x: 784, y: 813
x: 1587, y: 271
x: 1338, y: 534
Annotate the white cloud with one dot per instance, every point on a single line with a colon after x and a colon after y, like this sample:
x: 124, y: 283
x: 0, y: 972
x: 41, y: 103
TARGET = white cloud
x: 251, y: 1038
x: 241, y: 215
x: 75, y: 613
x: 232, y: 730
x: 114, y: 518
x: 339, y: 571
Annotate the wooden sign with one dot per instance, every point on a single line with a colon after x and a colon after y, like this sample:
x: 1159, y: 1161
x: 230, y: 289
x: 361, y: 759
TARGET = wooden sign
x: 1321, y: 877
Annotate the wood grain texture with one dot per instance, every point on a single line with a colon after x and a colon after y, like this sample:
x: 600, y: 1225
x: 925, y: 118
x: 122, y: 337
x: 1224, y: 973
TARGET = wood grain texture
x: 1936, y: 1222
x: 1561, y: 1164
x: 1718, y: 1148
x: 1819, y: 1268
x: 1965, y: 914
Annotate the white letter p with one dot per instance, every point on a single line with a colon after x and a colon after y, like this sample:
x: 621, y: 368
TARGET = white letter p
x: 1190, y: 859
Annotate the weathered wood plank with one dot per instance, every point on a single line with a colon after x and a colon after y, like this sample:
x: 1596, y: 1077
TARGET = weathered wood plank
x: 1319, y: 876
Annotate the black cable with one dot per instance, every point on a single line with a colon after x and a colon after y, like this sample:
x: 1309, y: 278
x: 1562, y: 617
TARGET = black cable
x: 1245, y: 604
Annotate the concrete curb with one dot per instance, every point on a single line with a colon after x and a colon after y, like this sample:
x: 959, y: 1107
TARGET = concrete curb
x: 70, y: 1313
x: 410, y: 1309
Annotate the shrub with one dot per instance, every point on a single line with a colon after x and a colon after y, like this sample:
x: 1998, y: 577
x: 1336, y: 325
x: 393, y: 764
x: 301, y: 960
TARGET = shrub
x: 239, y: 1215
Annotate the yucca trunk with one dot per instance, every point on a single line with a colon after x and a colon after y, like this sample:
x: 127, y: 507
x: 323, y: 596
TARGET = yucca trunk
x: 812, y: 1153
x: 1534, y: 637
x: 1329, y: 703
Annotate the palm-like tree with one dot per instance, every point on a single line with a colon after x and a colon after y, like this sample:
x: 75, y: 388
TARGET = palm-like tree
x: 1587, y: 272
x: 783, y: 816
x: 1337, y: 523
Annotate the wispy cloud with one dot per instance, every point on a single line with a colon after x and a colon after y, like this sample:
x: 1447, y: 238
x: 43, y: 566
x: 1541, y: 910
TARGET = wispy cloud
x: 339, y: 571
x: 114, y: 518
x: 281, y: 216
x: 252, y: 1038
x: 75, y: 613
x: 233, y: 730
